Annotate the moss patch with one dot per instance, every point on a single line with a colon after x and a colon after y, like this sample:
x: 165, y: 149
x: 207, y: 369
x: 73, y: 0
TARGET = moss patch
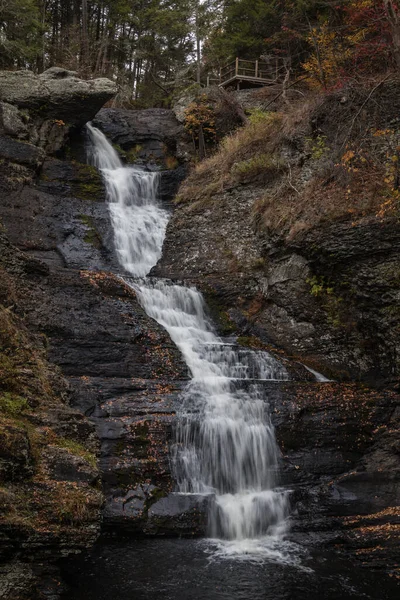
x: 92, y: 236
x: 225, y: 325
x: 77, y: 449
x: 12, y: 404
x: 88, y: 184
x: 133, y: 154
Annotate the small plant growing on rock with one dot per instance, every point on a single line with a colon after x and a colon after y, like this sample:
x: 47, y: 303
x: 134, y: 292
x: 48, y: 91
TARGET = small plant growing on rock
x: 200, y: 124
x: 12, y: 405
x: 262, y: 165
x: 317, y: 146
x: 318, y: 286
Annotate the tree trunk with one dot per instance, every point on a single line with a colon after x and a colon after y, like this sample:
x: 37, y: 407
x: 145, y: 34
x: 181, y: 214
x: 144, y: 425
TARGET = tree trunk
x: 393, y: 16
x: 84, y: 62
x: 198, y: 47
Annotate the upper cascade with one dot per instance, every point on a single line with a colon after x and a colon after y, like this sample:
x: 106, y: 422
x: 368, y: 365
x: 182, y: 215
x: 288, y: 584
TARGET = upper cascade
x: 138, y: 221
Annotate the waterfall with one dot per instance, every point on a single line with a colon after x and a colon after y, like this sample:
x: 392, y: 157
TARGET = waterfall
x: 224, y: 443
x: 139, y: 223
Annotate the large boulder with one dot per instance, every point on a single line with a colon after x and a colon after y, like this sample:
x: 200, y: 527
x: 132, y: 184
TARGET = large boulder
x: 43, y: 109
x: 56, y: 93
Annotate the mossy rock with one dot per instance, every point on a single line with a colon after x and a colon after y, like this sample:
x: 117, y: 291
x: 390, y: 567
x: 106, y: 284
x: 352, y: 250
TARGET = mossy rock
x: 87, y: 183
x: 92, y: 236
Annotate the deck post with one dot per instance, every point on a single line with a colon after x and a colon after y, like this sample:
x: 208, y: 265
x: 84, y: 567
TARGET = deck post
x: 256, y: 73
x: 237, y: 66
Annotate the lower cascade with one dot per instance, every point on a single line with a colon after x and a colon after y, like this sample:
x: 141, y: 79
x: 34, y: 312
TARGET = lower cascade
x: 224, y: 443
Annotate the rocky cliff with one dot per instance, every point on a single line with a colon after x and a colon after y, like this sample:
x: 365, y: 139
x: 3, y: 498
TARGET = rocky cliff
x: 110, y: 398
x: 291, y: 231
x: 293, y: 228
x: 89, y: 384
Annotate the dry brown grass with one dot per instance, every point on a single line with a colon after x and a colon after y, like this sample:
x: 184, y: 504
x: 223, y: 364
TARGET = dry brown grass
x: 290, y: 214
x: 216, y: 173
x: 296, y: 118
x: 301, y: 157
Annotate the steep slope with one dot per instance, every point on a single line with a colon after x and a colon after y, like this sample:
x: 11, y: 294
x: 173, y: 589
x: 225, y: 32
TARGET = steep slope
x: 291, y: 231
x: 292, y: 227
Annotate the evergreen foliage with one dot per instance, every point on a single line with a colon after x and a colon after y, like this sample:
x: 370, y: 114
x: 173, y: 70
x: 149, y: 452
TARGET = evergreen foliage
x: 154, y: 48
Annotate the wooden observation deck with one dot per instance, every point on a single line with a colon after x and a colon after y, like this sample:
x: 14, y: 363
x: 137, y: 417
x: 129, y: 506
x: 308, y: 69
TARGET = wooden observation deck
x: 248, y: 73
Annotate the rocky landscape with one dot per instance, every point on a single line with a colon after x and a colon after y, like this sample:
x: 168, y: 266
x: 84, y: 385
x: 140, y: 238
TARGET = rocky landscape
x: 117, y: 365
x: 89, y: 384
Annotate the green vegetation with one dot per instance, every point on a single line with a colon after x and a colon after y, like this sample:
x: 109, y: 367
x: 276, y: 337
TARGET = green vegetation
x: 88, y: 184
x: 258, y: 116
x: 89, y: 191
x: 265, y: 166
x: 319, y: 286
x: 248, y: 152
x: 156, y: 49
x: 337, y: 311
x: 317, y: 146
x: 76, y: 448
x: 92, y: 236
x: 11, y: 404
x: 133, y: 154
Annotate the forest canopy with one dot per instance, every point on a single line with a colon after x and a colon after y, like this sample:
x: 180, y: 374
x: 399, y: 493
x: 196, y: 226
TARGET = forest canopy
x: 151, y: 47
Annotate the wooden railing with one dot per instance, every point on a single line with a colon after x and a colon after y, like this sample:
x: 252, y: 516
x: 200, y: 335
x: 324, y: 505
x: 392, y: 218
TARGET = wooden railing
x: 250, y: 70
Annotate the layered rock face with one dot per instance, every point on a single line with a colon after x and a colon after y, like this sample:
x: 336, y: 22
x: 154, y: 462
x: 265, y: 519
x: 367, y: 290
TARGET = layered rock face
x: 262, y: 233
x: 347, y: 328
x: 50, y: 481
x: 327, y: 294
x: 50, y: 493
x: 120, y: 371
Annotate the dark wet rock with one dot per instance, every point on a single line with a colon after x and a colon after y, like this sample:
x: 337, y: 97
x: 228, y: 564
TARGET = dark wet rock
x: 347, y: 328
x: 178, y: 515
x: 64, y: 466
x: 170, y: 181
x: 63, y: 219
x: 17, y: 580
x: 340, y: 459
x: 20, y: 152
x: 125, y: 374
x: 153, y: 132
x: 11, y: 121
x: 50, y: 497
x: 151, y: 136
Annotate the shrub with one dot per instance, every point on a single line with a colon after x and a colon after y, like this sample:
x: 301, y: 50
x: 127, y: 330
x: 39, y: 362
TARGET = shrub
x: 262, y: 166
x: 11, y: 404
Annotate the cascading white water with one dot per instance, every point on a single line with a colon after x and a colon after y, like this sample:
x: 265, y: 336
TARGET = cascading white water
x: 224, y: 444
x: 139, y: 223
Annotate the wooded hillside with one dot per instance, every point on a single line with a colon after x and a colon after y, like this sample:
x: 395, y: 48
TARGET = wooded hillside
x: 153, y: 48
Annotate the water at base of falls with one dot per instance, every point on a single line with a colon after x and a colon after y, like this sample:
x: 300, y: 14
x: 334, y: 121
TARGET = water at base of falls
x: 224, y: 442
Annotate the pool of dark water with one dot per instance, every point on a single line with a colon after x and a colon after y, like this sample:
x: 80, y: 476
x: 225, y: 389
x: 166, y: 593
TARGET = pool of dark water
x: 180, y: 569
